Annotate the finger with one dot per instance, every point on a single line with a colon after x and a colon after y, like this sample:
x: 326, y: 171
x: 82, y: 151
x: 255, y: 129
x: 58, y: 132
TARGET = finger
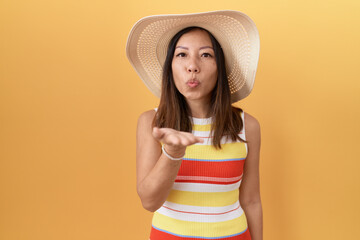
x: 199, y: 139
x: 172, y: 139
x: 182, y: 138
x: 194, y: 139
x: 186, y: 140
x: 190, y: 139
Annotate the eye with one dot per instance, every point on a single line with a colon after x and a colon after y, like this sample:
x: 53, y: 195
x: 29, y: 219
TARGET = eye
x: 181, y: 54
x: 206, y: 55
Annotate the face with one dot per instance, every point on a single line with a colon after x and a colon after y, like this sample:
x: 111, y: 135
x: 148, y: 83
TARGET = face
x: 194, y: 66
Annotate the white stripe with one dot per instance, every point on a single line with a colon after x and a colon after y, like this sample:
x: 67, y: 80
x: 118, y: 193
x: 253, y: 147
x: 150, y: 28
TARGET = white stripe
x: 204, y: 134
x: 201, y: 121
x: 243, y: 134
x: 205, y: 187
x: 243, y: 130
x: 208, y: 140
x: 203, y: 178
x: 207, y: 133
x: 201, y: 216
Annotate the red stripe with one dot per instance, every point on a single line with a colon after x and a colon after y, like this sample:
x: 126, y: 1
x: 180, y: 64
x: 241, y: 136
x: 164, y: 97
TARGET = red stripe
x: 160, y: 235
x: 224, y: 169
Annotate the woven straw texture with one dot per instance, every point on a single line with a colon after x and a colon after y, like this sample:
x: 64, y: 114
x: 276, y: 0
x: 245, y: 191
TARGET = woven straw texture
x: 236, y: 32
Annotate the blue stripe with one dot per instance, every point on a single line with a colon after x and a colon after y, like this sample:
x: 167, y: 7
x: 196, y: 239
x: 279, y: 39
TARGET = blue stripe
x: 184, y: 236
x: 214, y: 160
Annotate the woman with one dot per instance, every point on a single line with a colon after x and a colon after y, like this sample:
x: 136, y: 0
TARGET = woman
x: 198, y: 156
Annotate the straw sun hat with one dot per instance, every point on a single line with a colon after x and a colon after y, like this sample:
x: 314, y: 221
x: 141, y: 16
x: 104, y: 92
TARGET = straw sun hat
x: 237, y: 34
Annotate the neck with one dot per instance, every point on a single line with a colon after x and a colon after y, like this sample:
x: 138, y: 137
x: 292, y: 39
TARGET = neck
x: 199, y: 109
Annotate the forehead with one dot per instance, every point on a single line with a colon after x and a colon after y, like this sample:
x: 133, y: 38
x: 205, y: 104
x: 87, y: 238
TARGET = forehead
x: 196, y: 36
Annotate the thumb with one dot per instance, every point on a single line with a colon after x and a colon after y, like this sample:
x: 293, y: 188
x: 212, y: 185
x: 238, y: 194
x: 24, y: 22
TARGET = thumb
x: 157, y: 133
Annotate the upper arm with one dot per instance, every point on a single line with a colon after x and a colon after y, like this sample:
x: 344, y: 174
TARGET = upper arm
x: 148, y: 149
x: 250, y: 185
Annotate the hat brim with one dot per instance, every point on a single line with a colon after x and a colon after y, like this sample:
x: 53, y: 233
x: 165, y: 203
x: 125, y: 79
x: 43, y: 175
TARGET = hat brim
x: 237, y: 34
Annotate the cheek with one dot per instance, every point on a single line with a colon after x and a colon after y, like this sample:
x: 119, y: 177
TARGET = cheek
x: 214, y: 80
x: 174, y: 71
x: 177, y: 75
x: 214, y: 75
x: 175, y: 68
x: 178, y: 71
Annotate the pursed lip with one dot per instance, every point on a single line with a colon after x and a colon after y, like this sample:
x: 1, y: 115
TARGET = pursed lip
x: 193, y: 83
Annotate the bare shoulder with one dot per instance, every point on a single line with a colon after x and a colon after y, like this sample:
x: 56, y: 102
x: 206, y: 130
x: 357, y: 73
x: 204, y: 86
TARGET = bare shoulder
x: 146, y: 118
x: 252, y: 127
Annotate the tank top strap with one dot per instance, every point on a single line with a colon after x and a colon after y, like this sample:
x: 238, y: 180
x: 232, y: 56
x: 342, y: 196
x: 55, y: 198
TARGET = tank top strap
x: 242, y: 132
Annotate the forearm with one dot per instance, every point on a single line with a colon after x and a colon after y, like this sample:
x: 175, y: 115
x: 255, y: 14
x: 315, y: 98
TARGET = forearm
x: 254, y: 217
x: 156, y: 172
x: 155, y: 187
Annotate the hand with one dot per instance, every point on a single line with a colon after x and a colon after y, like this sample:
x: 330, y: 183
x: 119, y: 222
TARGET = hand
x: 175, y: 141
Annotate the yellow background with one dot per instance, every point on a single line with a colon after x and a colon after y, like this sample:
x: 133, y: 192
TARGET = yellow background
x: 69, y: 102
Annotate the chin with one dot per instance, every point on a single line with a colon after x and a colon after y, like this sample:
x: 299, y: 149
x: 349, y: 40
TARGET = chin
x: 193, y: 97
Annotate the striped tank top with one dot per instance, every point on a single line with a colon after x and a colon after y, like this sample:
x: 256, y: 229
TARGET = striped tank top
x: 204, y: 200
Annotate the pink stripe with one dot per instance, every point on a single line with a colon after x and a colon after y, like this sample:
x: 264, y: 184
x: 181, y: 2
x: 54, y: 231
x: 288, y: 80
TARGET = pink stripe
x: 212, y: 137
x: 202, y: 213
x: 213, y: 179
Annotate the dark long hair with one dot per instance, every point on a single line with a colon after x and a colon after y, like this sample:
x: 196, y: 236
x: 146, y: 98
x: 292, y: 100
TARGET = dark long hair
x: 173, y: 111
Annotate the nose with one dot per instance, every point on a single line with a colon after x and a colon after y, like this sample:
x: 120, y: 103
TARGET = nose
x: 193, y: 66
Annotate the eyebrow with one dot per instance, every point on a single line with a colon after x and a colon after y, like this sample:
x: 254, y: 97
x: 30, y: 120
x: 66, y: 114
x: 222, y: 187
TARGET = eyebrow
x: 206, y: 47
x: 188, y: 48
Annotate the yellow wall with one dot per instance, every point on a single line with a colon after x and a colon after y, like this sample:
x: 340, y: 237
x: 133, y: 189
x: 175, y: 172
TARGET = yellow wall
x: 69, y: 101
